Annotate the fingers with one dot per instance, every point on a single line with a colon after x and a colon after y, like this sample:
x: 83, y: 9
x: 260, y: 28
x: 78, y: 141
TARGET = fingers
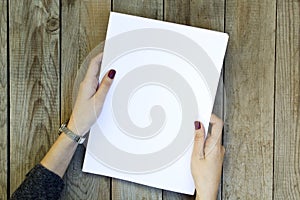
x: 217, y: 127
x: 199, y: 140
x: 104, y: 86
x: 94, y: 68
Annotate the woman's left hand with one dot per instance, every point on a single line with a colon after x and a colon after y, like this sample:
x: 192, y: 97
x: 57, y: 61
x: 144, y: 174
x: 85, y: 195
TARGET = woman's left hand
x: 90, y: 98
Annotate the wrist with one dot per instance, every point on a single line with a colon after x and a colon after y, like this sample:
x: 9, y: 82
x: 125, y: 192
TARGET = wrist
x: 200, y: 197
x: 59, y: 155
x: 75, y: 127
x: 207, y: 195
x: 68, y: 131
x: 66, y: 141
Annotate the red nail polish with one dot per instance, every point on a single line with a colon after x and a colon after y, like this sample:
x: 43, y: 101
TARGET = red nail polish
x: 112, y: 73
x: 197, y: 125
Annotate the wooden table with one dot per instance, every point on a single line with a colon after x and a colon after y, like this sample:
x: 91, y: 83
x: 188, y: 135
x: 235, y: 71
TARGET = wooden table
x: 42, y: 44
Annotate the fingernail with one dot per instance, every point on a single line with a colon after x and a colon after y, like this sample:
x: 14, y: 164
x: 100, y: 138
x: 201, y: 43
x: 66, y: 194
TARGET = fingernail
x: 197, y: 125
x: 111, y: 73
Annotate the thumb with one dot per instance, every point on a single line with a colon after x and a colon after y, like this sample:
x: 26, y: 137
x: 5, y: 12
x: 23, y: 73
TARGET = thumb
x: 199, y: 140
x: 104, y: 86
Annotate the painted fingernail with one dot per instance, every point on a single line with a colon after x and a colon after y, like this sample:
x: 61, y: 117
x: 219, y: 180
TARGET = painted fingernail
x: 197, y: 125
x: 112, y: 73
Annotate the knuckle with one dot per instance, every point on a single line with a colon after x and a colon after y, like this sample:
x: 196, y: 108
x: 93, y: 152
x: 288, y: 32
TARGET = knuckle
x: 106, y: 82
x: 199, y: 136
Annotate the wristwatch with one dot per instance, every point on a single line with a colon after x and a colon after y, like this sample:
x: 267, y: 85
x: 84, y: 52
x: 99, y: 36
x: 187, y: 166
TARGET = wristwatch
x: 70, y: 134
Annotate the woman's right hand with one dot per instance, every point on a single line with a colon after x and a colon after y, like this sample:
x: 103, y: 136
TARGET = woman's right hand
x: 207, y: 159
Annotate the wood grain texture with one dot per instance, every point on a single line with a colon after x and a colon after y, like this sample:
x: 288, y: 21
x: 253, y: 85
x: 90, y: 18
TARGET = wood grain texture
x: 83, y: 27
x: 200, y: 13
x: 127, y: 190
x: 35, y: 76
x: 34, y: 83
x: 145, y: 8
x: 249, y: 83
x: 151, y: 9
x: 3, y: 99
x: 203, y: 14
x: 287, y: 101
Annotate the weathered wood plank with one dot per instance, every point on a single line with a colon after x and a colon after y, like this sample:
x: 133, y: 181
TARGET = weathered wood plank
x: 203, y: 14
x: 287, y: 102
x: 3, y: 99
x: 249, y: 83
x: 34, y: 83
x: 150, y: 9
x: 84, y: 26
x: 128, y: 190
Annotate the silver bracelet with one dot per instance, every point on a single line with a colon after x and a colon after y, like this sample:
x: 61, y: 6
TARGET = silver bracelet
x: 63, y: 129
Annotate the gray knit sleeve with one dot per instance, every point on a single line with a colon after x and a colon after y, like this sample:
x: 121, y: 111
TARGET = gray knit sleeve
x: 40, y: 183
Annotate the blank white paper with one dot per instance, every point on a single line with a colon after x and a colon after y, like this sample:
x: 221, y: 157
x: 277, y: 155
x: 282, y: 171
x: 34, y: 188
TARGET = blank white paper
x: 167, y: 77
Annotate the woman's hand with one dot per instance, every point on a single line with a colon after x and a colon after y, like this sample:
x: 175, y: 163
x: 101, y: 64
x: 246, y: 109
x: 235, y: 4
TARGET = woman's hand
x: 207, y: 159
x: 87, y: 108
x: 90, y: 98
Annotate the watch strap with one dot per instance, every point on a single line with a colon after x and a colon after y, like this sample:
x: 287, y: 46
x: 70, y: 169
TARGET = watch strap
x: 71, y: 134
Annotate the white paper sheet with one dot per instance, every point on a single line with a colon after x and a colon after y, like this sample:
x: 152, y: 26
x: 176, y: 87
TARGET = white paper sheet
x: 167, y: 76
